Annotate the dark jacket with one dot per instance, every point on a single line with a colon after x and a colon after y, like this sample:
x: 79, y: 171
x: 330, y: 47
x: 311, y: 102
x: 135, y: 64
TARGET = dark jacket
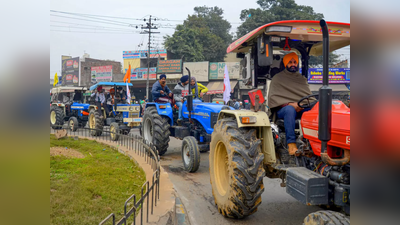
x: 155, y: 90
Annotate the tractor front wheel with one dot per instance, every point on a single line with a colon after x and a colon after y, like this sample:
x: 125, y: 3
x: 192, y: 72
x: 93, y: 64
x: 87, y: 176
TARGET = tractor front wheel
x: 95, y: 123
x: 114, y: 131
x: 326, y: 218
x: 73, y: 123
x: 190, y: 154
x: 236, y: 169
x: 155, y: 129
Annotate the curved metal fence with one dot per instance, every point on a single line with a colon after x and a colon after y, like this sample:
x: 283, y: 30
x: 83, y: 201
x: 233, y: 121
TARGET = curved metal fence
x: 150, y: 191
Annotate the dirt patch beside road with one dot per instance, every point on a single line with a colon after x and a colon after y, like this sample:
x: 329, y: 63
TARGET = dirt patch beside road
x: 67, y: 152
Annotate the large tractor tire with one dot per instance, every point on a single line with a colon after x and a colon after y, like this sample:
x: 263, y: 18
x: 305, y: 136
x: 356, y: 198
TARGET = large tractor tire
x: 73, y: 123
x: 190, y: 154
x: 236, y: 169
x: 326, y: 218
x: 95, y: 123
x: 114, y: 131
x: 155, y: 129
x: 56, y: 118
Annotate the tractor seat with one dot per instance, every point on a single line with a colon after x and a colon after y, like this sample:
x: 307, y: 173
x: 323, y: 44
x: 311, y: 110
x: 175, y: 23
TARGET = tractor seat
x: 281, y: 124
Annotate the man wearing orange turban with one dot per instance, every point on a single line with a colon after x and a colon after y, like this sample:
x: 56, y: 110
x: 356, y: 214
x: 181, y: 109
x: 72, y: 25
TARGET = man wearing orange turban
x: 286, y: 89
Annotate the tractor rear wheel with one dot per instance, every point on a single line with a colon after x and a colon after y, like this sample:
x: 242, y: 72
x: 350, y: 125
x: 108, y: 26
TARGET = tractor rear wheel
x: 56, y: 118
x: 95, y: 123
x: 73, y: 123
x: 326, y: 218
x: 155, y: 129
x: 236, y: 169
x: 190, y: 154
x: 114, y: 131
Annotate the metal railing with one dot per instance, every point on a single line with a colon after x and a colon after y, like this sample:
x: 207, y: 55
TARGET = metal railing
x: 144, y: 149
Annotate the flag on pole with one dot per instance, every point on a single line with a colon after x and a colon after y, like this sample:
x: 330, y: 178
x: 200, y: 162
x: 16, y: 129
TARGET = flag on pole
x: 128, y: 94
x: 227, y: 86
x: 127, y: 77
x: 55, y: 80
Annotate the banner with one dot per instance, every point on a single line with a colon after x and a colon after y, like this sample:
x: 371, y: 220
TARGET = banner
x: 198, y: 70
x: 102, y: 73
x: 162, y: 53
x: 336, y: 75
x: 141, y: 73
x: 169, y: 66
x: 70, y: 72
x: 217, y: 70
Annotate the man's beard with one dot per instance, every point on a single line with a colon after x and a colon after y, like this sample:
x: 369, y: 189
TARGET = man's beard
x: 292, y: 69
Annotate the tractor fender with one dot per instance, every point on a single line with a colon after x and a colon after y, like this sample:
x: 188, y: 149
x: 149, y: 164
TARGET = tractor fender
x: 167, y: 111
x: 264, y: 125
x: 95, y: 108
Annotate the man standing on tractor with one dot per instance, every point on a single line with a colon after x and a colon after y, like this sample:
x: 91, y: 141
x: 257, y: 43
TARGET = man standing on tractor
x: 179, y: 100
x: 160, y: 88
x: 100, y: 100
x: 198, y: 90
x: 286, y: 89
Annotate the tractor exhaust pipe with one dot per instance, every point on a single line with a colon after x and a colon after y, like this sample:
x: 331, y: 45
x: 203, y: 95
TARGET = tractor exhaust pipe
x: 325, y: 94
x: 189, y: 98
x: 325, y: 105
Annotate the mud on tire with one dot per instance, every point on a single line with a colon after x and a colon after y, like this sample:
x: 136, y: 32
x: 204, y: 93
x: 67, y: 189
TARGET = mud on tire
x: 326, y: 218
x: 236, y: 169
x: 155, y: 129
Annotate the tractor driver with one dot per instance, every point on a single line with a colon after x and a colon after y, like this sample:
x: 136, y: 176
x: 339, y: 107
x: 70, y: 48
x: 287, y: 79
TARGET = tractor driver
x: 100, y: 100
x: 67, y: 101
x: 286, y: 89
x: 160, y: 88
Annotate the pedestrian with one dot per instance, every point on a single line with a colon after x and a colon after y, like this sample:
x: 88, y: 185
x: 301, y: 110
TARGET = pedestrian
x: 246, y: 104
x: 236, y: 104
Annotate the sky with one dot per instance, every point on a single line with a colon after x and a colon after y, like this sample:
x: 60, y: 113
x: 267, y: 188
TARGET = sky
x: 75, y: 37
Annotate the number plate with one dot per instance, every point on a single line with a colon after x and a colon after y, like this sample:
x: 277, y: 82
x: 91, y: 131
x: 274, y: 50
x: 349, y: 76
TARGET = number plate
x: 132, y: 119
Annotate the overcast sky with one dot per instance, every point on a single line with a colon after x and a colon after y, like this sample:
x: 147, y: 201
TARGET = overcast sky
x: 73, y: 37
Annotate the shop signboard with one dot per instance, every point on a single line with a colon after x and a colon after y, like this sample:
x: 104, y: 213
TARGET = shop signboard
x: 70, y: 72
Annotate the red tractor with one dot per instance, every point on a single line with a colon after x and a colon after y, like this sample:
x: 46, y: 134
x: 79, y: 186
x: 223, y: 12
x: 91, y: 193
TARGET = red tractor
x: 250, y: 144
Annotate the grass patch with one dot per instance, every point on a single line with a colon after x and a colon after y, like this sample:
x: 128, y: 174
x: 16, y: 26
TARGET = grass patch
x: 85, y: 191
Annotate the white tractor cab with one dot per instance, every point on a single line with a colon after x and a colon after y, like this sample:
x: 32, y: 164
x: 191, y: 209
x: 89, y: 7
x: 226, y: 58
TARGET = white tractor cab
x: 246, y: 146
x: 123, y: 115
x: 68, y: 104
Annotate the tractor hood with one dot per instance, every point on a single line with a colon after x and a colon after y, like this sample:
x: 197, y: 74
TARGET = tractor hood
x: 199, y: 106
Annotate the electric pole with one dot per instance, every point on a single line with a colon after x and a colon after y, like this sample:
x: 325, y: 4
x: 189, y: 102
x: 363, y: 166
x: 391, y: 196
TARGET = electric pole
x: 147, y: 30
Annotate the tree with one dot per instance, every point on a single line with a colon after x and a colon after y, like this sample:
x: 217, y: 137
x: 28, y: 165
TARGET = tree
x: 203, y: 36
x: 316, y: 61
x: 274, y: 10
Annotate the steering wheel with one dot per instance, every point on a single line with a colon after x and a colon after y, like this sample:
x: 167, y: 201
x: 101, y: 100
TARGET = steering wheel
x: 308, y: 104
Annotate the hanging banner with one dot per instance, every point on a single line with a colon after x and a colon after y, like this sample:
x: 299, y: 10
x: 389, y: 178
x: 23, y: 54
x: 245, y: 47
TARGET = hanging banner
x: 70, y: 72
x: 336, y: 75
x: 102, y: 73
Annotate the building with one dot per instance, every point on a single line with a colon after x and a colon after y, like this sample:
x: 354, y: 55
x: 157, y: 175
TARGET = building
x: 95, y: 70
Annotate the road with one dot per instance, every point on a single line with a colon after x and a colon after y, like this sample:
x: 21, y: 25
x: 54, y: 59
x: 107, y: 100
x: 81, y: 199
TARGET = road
x: 194, y: 189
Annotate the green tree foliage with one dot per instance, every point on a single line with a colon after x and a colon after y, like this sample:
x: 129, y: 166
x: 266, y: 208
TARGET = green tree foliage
x: 316, y: 61
x: 274, y: 10
x: 204, y: 36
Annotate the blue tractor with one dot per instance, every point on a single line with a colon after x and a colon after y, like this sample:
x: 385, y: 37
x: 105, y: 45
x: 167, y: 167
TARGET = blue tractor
x: 122, y: 118
x: 160, y: 122
x: 75, y: 112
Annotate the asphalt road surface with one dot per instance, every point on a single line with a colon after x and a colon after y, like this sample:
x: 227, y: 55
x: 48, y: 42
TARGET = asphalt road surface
x: 194, y: 189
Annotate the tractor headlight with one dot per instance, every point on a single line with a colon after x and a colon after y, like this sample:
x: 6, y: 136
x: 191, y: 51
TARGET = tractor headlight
x: 137, y: 108
x: 131, y: 108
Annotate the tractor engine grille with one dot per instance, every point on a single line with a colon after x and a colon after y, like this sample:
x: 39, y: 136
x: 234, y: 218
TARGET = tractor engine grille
x: 214, y: 118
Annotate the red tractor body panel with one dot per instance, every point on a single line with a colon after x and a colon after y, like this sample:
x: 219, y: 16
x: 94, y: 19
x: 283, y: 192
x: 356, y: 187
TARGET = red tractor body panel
x: 340, y: 137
